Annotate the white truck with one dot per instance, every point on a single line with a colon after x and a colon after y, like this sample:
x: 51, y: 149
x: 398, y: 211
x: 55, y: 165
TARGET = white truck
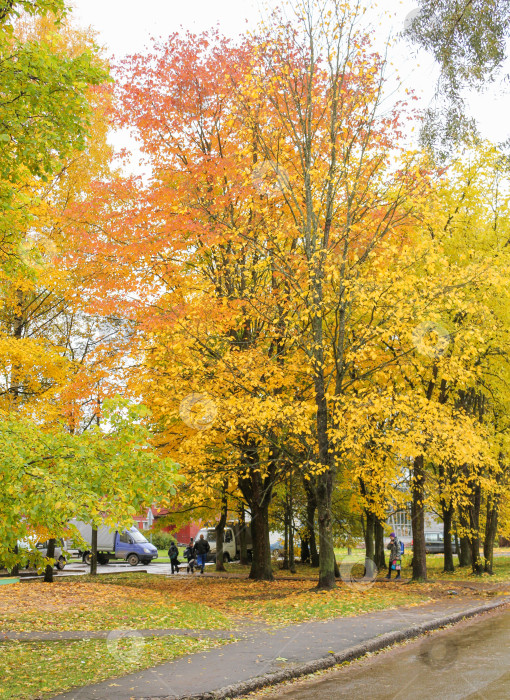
x: 130, y: 544
x: 231, y: 541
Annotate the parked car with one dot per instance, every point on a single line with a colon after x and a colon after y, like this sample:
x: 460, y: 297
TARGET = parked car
x: 434, y: 543
x: 42, y: 547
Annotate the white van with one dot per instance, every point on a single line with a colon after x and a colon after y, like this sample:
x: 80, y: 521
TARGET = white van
x: 42, y: 548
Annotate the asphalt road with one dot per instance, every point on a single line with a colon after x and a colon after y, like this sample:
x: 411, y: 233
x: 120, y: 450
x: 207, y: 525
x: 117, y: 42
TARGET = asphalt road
x: 470, y: 661
x: 77, y: 568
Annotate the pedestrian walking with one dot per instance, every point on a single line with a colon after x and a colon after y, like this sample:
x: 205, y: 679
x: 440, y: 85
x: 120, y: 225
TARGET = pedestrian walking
x: 395, y: 557
x: 173, y: 553
x: 189, y: 554
x: 200, y: 549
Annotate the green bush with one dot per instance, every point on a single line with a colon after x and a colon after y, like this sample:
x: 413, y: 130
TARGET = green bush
x: 161, y: 540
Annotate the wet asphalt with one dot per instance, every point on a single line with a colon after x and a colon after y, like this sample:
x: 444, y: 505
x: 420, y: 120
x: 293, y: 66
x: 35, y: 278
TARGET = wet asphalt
x: 470, y: 661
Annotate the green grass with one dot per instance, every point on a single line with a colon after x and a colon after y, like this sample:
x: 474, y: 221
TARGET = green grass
x: 163, y: 555
x: 435, y: 563
x: 40, y: 669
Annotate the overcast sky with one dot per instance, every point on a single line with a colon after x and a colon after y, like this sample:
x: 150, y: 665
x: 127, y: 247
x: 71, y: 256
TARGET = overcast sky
x: 126, y: 26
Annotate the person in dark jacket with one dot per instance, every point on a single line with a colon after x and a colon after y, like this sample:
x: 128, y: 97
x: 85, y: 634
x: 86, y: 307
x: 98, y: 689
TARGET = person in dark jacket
x: 173, y: 553
x: 395, y: 556
x: 190, y: 556
x: 200, y: 549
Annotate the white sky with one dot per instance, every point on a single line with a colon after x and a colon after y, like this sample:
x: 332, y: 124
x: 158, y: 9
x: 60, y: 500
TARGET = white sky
x: 126, y: 26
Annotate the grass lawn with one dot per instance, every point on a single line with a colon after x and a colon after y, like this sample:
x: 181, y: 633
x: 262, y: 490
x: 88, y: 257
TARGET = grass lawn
x: 39, y: 669
x: 163, y: 555
x: 435, y: 564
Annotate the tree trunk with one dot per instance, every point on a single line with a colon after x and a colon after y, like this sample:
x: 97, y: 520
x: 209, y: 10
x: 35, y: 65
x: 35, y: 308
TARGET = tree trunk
x: 491, y: 526
x: 447, y: 511
x: 285, y: 563
x: 243, y: 550
x: 369, y: 544
x: 93, y: 553
x: 311, y: 507
x: 290, y: 505
x: 257, y: 491
x: 418, y: 520
x: 48, y: 573
x: 457, y: 542
x: 15, y: 569
x: 474, y: 524
x: 465, y: 549
x: 379, y: 554
x: 261, y: 569
x: 305, y: 550
x: 220, y: 528
x: 326, y: 550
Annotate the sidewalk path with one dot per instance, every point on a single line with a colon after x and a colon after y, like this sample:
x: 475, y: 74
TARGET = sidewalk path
x: 289, y: 649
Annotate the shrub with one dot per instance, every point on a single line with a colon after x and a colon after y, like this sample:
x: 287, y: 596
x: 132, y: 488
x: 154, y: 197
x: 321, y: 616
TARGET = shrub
x: 161, y: 540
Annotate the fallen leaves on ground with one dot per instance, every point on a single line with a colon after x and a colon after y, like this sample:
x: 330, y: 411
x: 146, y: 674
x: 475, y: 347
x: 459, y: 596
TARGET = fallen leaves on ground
x: 76, y: 605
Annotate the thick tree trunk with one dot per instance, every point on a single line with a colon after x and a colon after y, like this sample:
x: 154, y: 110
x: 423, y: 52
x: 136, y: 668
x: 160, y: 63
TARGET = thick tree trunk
x: 48, y: 572
x: 491, y: 526
x: 369, y: 544
x: 447, y: 511
x: 456, y: 540
x: 418, y: 520
x: 285, y: 563
x: 314, y: 552
x: 292, y: 563
x: 257, y: 491
x: 311, y: 507
x: 305, y: 550
x: 379, y: 554
x: 465, y: 548
x: 220, y: 528
x: 474, y: 524
x: 326, y: 479
x: 93, y: 553
x: 290, y: 518
x: 261, y: 569
x: 15, y: 569
x: 243, y: 549
x: 326, y: 550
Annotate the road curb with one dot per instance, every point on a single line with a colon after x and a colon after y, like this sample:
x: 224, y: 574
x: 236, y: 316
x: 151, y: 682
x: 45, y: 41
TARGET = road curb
x: 356, y: 652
